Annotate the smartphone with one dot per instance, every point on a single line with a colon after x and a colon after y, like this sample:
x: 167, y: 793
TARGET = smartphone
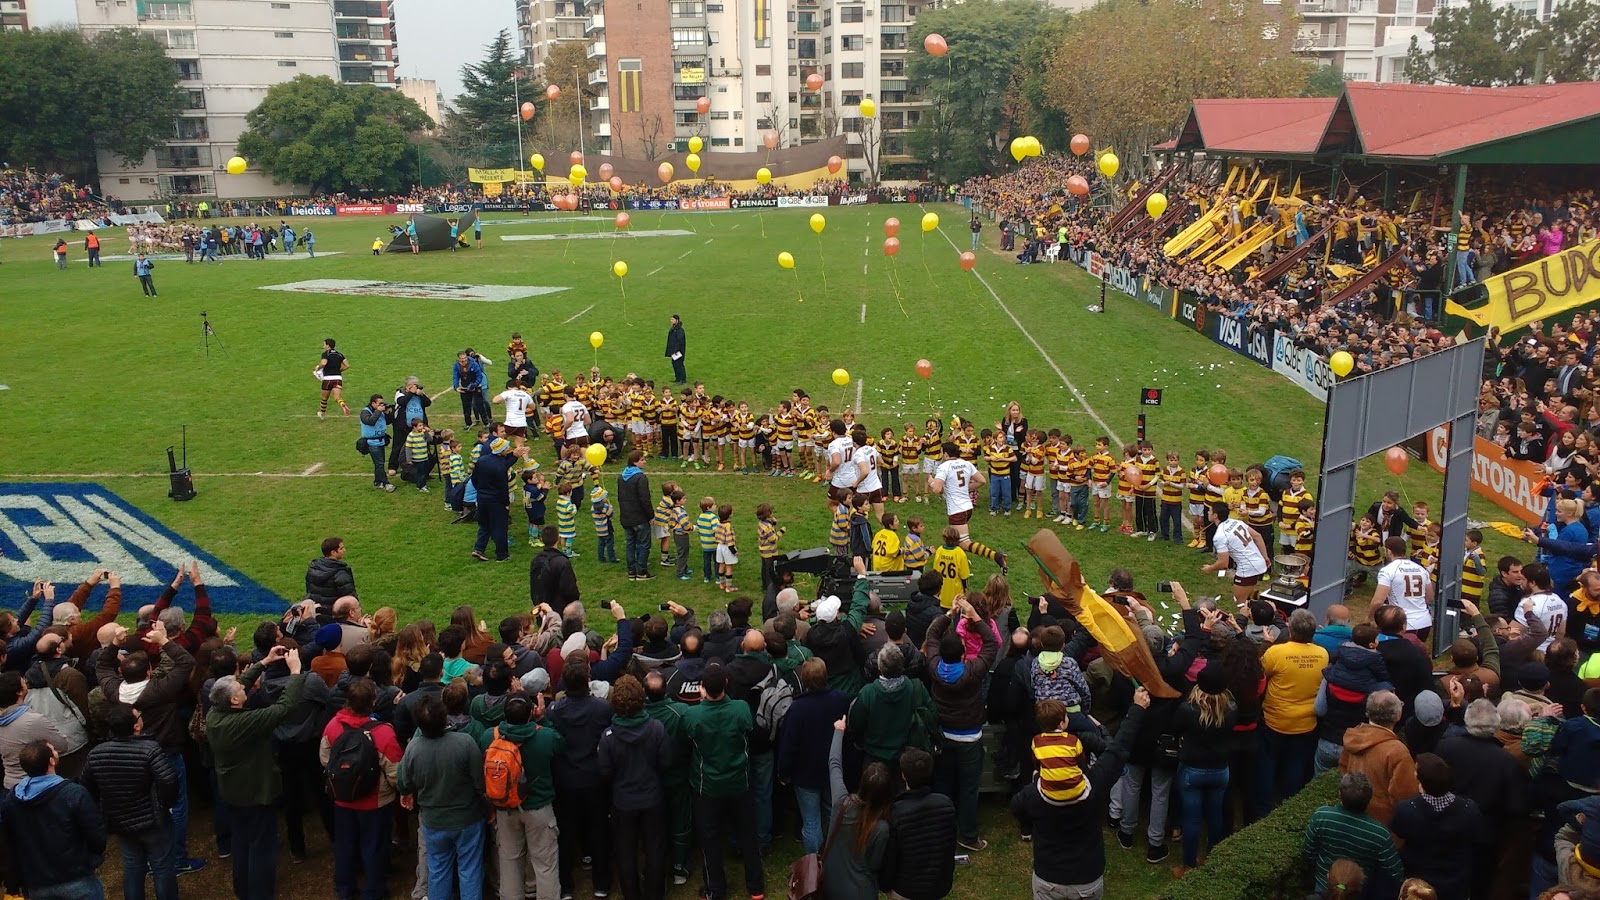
x: 1164, y: 587
x: 664, y: 607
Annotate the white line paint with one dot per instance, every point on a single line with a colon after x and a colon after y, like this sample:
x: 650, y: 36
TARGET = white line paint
x: 579, y: 313
x: 652, y: 271
x: 863, y: 314
x: 1037, y: 346
x: 39, y: 476
x: 595, y: 235
x: 709, y: 240
x: 312, y: 470
x: 685, y: 253
x: 858, y: 389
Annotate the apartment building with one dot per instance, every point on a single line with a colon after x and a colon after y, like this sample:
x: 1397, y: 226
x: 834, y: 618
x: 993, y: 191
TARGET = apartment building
x: 1367, y: 40
x: 13, y: 15
x: 541, y: 24
x: 229, y: 53
x: 425, y: 93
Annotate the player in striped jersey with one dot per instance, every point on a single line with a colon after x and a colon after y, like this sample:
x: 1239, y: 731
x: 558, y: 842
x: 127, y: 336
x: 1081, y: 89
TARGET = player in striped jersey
x: 1033, y: 463
x: 661, y: 522
x: 1255, y: 506
x: 932, y: 452
x: 911, y: 478
x: 783, y: 425
x: 1101, y: 465
x: 1474, y: 569
x: 1417, y: 533
x: 1173, y: 480
x: 913, y: 552
x: 1144, y: 493
x: 667, y: 411
x: 1289, y: 503
x: 767, y: 533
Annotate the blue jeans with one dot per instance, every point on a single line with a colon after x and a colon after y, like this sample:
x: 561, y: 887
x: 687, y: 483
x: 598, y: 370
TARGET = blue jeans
x: 1080, y: 502
x: 85, y: 888
x: 1172, y: 514
x: 605, y: 548
x: 708, y: 562
x: 959, y: 769
x: 1327, y: 756
x: 380, y: 475
x: 180, y: 811
x: 453, y: 854
x: 815, y: 814
x: 637, y: 546
x: 1202, y: 791
x: 361, y: 847
x: 1000, y: 494
x: 761, y: 774
x: 148, y: 852
x: 975, y: 240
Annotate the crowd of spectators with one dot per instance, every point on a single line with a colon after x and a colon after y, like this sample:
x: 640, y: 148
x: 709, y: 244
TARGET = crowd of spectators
x: 28, y: 196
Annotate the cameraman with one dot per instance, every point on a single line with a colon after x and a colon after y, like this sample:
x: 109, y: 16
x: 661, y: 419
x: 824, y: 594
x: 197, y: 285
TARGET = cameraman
x: 410, y: 402
x: 374, y: 437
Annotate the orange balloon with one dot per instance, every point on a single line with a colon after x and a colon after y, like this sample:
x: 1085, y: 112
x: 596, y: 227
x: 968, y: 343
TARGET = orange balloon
x: 1078, y: 185
x: 1217, y: 475
x: 891, y: 227
x: 703, y: 105
x: 968, y: 260
x: 616, y: 183
x: 1397, y: 460
x: 935, y: 45
x: 576, y: 156
x: 664, y: 172
x: 924, y: 368
x: 814, y: 82
x: 770, y: 138
x: 605, y: 171
x: 1131, y: 475
x: 1080, y: 144
x: 527, y: 110
x: 891, y: 246
x: 622, y: 220
x: 834, y: 163
x: 552, y: 92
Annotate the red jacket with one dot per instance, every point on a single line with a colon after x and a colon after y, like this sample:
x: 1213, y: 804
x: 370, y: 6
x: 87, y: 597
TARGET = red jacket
x: 388, y: 756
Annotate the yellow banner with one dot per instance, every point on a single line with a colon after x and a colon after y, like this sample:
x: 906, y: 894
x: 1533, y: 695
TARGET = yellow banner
x: 692, y: 75
x: 1538, y: 290
x: 492, y: 189
x: 491, y: 176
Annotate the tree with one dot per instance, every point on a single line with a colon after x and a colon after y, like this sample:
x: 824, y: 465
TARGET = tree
x: 64, y: 96
x: 332, y: 136
x: 1128, y: 71
x: 1419, y: 64
x: 1480, y: 45
x: 1324, y: 81
x: 555, y: 129
x: 1574, y: 46
x: 1030, y: 97
x: 482, y: 123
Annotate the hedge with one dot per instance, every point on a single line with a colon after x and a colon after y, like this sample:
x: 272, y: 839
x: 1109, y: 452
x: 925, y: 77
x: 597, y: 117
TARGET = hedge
x: 1263, y: 861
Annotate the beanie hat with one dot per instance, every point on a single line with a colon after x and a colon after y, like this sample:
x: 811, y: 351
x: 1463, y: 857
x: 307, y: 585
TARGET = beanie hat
x: 536, y: 681
x: 329, y: 636
x: 598, y: 494
x: 499, y: 446
x: 1532, y: 676
x: 1060, y: 756
x: 1212, y: 679
x: 1429, y: 709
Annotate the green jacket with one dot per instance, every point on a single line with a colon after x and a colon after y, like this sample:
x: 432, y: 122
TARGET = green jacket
x: 851, y: 618
x: 487, y: 715
x: 241, y: 744
x: 674, y: 717
x: 884, y: 721
x: 446, y: 775
x: 791, y: 663
x: 539, y: 744
x: 718, y: 732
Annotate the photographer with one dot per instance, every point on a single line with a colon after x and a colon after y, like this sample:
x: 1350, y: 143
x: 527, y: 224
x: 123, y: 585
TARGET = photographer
x: 410, y: 402
x: 375, y: 419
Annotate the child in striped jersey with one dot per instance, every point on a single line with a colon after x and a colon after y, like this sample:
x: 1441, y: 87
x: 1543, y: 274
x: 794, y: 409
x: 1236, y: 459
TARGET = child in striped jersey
x: 914, y: 553
x: 661, y: 522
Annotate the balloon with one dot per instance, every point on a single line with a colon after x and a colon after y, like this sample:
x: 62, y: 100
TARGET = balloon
x: 1109, y: 164
x: 891, y: 227
x: 869, y: 107
x: 891, y: 246
x: 1156, y: 204
x: 968, y: 260
x: 579, y: 173
x: 236, y: 165
x: 692, y: 161
x: 786, y: 259
x: 575, y: 157
x: 834, y: 163
x: 1019, y: 149
x: 769, y: 138
x: 1396, y: 459
x: 924, y: 368
x: 814, y: 82
x: 527, y: 110
x: 1217, y: 475
x: 930, y: 221
x: 595, y: 454
x: 1080, y: 144
x: 616, y: 183
x: 606, y: 171
x: 596, y: 339
x: 696, y: 145
x: 841, y: 377
x: 1078, y: 185
x: 935, y: 45
x: 622, y: 220
x: 763, y: 175
x: 664, y: 172
x: 552, y: 92
x: 818, y: 222
x: 703, y: 105
x: 619, y: 269
x: 1341, y: 363
x: 1130, y: 475
x: 538, y: 161
x: 1034, y: 147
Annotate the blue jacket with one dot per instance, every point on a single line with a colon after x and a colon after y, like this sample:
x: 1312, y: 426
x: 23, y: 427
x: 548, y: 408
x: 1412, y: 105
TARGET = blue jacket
x: 1566, y: 552
x: 143, y: 266
x: 1357, y: 669
x: 1577, y: 745
x: 1329, y: 637
x: 374, y: 426
x: 475, y: 377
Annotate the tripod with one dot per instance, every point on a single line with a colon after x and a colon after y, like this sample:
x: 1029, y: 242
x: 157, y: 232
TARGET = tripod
x: 207, y: 333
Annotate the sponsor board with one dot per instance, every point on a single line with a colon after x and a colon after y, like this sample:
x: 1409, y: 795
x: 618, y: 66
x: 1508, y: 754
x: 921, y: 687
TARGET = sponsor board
x: 801, y: 202
x: 651, y: 204
x: 755, y: 203
x: 1302, y: 367
x: 1258, y: 344
x: 364, y: 209
x: 704, y: 203
x: 415, y: 290
x: 854, y: 200
x: 410, y: 208
x: 1097, y: 266
x: 1229, y: 333
x: 1510, y: 483
x: 61, y: 533
x: 456, y: 207
x: 314, y: 209
x: 507, y: 207
x: 599, y: 236
x: 175, y: 256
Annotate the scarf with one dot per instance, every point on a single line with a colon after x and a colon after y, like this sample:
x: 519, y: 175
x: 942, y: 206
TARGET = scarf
x: 891, y: 684
x: 1586, y: 604
x: 1440, y: 802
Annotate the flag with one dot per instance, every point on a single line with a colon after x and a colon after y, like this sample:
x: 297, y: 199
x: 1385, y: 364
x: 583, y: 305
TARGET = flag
x: 628, y: 88
x: 1416, y: 200
x: 1370, y: 258
x: 1296, y: 191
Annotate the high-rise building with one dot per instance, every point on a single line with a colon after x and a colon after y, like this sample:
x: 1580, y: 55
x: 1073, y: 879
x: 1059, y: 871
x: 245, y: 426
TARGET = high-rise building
x: 229, y: 53
x: 13, y: 15
x: 1366, y: 40
x: 541, y: 24
x: 425, y: 93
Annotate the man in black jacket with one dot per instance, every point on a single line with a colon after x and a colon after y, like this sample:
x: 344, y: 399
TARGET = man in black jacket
x: 1507, y: 589
x: 431, y: 673
x: 1069, y: 857
x: 551, y: 580
x: 923, y: 607
x: 329, y: 577
x: 633, y: 754
x: 491, y: 478
x: 633, y: 505
x: 921, y: 862
x: 583, y: 798
x: 1410, y: 669
x: 53, y: 825
x: 676, y: 348
x: 134, y: 784
x: 957, y: 689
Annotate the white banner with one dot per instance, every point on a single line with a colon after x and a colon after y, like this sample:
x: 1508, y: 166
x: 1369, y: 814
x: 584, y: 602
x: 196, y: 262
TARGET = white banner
x: 153, y: 218
x: 794, y: 202
x: 1302, y: 367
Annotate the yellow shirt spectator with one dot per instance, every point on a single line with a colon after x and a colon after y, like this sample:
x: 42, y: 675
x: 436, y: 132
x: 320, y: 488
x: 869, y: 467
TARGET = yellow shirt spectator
x: 1294, y: 675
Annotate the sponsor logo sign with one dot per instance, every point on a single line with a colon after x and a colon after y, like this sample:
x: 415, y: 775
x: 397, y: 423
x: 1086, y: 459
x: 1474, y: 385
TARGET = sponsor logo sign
x: 805, y: 202
x: 415, y: 290
x: 1097, y: 266
x: 1230, y: 333
x: 1509, y: 483
x: 456, y: 207
x: 61, y: 533
x: 704, y: 203
x: 314, y: 209
x: 409, y: 208
x: 364, y: 209
x: 1258, y: 345
x: 853, y: 200
x: 754, y: 202
x: 1302, y: 367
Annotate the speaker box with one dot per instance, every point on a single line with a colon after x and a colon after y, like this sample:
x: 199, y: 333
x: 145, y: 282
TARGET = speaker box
x: 182, y: 487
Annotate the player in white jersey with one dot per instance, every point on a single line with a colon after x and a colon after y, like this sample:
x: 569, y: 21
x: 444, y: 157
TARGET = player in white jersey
x: 517, y: 403
x: 958, y: 481
x: 1406, y: 584
x: 1545, y: 604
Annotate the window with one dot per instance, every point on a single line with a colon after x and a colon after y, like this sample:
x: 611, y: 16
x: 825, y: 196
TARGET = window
x: 183, y: 157
x: 852, y: 70
x: 713, y: 7
x: 686, y: 91
x: 287, y: 64
x: 283, y: 34
x: 174, y: 40
x: 188, y: 69
x: 791, y: 15
x: 194, y: 98
x: 190, y: 129
x: 738, y: 115
x: 894, y: 96
x: 913, y: 116
x: 892, y: 68
x: 791, y: 43
x: 851, y: 124
x: 851, y: 41
x: 168, y: 12
x: 764, y: 124
x: 719, y: 114
x: 850, y: 15
x: 827, y: 46
x: 189, y: 185
x: 687, y: 36
x: 687, y: 9
x: 763, y: 96
x: 794, y: 71
x: 763, y: 71
x: 893, y: 40
x: 806, y: 48
x: 894, y: 120
x: 719, y: 142
x: 894, y: 14
x: 738, y: 142
x: 687, y: 119
x: 827, y: 17
x: 280, y: 6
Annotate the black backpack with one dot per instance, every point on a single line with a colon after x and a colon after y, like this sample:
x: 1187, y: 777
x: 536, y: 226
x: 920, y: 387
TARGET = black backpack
x: 353, y: 767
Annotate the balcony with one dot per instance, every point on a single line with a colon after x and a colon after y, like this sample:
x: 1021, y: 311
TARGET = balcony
x: 598, y: 76
x: 1338, y: 7
x: 808, y: 27
x: 600, y: 103
x: 597, y: 50
x: 603, y: 129
x: 597, y: 22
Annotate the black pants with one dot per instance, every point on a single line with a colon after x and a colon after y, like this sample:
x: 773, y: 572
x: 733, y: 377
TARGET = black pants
x: 581, y: 815
x: 1144, y: 515
x: 636, y: 833
x: 255, y: 852
x: 678, y: 374
x: 669, y: 442
x: 303, y: 793
x: 148, y: 283
x: 494, y: 523
x: 891, y: 480
x: 718, y: 818
x: 469, y: 405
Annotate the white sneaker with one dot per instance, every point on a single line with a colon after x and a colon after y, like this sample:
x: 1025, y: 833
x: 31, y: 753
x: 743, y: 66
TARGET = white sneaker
x: 1150, y: 537
x: 1138, y: 534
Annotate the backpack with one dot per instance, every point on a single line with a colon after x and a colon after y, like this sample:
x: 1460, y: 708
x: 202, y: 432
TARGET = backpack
x: 777, y: 695
x: 353, y: 769
x: 502, y: 772
x: 55, y: 706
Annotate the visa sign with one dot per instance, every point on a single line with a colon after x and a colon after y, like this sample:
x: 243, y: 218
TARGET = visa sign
x: 61, y: 533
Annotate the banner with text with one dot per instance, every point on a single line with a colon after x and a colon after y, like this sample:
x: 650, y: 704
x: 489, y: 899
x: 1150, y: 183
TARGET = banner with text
x: 1302, y: 367
x: 1537, y: 290
x: 1511, y: 483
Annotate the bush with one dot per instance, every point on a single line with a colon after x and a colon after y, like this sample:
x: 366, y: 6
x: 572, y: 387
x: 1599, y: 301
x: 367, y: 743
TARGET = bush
x: 1263, y: 861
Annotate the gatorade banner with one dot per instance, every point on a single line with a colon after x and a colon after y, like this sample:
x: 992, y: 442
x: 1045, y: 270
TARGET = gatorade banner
x: 1538, y: 290
x: 1513, y: 484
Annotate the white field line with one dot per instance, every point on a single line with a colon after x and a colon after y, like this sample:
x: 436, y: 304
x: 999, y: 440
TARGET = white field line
x: 579, y: 313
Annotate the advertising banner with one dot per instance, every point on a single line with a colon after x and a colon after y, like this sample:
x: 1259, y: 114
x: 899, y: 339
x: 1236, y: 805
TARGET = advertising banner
x: 854, y: 200
x: 1509, y: 483
x: 1538, y: 290
x: 754, y: 203
x: 1302, y: 367
x: 1230, y: 333
x: 1097, y: 266
x: 705, y: 203
x: 365, y: 209
x: 312, y: 209
x: 409, y: 208
x: 805, y: 202
x: 491, y: 176
x: 1258, y: 344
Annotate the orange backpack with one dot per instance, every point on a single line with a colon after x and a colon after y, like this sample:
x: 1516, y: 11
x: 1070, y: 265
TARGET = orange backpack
x: 502, y: 773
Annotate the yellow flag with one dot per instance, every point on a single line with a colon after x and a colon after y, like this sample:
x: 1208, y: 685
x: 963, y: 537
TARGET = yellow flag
x: 1538, y: 290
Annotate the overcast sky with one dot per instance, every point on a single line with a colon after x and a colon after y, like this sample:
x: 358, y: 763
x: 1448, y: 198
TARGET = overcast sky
x: 436, y: 36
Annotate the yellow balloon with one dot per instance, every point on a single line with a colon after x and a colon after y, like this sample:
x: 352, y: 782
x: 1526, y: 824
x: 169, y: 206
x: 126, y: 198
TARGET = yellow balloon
x: 1019, y: 149
x: 818, y: 222
x: 1109, y: 164
x: 930, y: 221
x: 619, y: 269
x: 1034, y: 147
x: 595, y: 454
x: 1341, y: 363
x: 1156, y: 204
x: 841, y: 377
x: 763, y: 175
x: 596, y: 339
x: 786, y: 259
x: 236, y: 165
x: 869, y: 107
x: 695, y: 144
x: 538, y: 161
x: 692, y: 161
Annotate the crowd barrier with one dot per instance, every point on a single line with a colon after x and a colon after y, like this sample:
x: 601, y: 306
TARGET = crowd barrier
x: 643, y: 204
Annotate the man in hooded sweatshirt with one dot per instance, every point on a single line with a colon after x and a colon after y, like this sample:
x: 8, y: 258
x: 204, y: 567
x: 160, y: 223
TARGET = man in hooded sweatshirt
x: 958, y: 697
x: 634, y: 752
x: 1374, y: 750
x: 892, y: 712
x: 53, y: 824
x: 526, y: 835
x: 633, y: 502
x: 1355, y: 671
x: 20, y: 726
x: 835, y: 638
x: 361, y: 825
x: 718, y: 731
